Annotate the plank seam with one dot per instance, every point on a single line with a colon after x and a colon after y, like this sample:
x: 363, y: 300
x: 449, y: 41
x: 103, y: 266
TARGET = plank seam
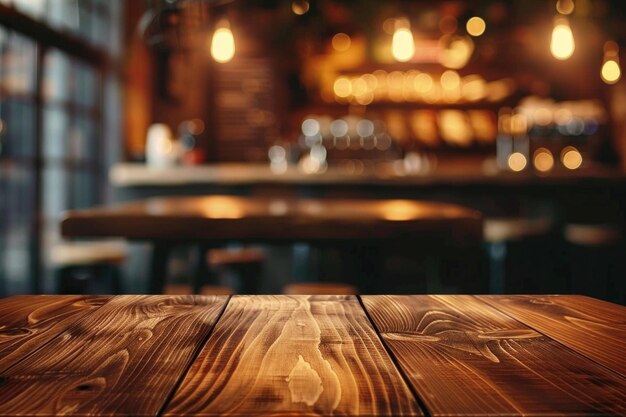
x: 495, y: 307
x: 394, y: 360
x: 194, y: 356
x: 49, y: 341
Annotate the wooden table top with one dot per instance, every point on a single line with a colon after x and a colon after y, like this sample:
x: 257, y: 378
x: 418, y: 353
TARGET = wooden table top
x: 312, y: 355
x: 266, y: 219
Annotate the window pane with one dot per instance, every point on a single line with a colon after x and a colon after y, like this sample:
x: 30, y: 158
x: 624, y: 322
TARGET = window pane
x: 63, y: 14
x: 54, y: 191
x: 56, y: 85
x: 16, y: 205
x: 85, y: 85
x: 85, y: 21
x: 82, y: 140
x: 18, y: 60
x: 18, y: 128
x: 55, y: 132
x: 84, y: 189
x: 114, y: 35
x: 33, y: 8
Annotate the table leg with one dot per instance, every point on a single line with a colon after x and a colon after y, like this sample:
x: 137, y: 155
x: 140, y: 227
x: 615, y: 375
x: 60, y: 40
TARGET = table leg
x: 203, y: 274
x: 158, y: 267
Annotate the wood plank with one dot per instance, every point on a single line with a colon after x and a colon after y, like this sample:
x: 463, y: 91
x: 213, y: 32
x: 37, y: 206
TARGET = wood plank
x: 464, y: 357
x: 29, y: 322
x: 594, y: 328
x: 293, y: 355
x: 124, y: 359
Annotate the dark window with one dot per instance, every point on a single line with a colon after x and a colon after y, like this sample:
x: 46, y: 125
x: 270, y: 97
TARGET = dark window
x: 56, y: 63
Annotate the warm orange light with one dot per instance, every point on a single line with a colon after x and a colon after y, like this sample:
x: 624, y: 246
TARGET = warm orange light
x: 423, y: 82
x: 562, y: 43
x: 400, y: 210
x: 475, y: 26
x: 543, y: 160
x: 517, y: 161
x: 450, y: 80
x: 519, y: 124
x: 359, y: 86
x: 402, y: 44
x: 455, y: 51
x: 611, y: 72
x: 342, y: 87
x: 341, y: 42
x: 223, y: 43
x: 565, y: 6
x: 300, y: 7
x: 474, y: 88
x: 571, y: 158
x: 370, y: 81
x: 221, y: 208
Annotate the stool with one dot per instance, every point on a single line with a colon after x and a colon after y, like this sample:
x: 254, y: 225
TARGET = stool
x: 183, y: 289
x: 80, y: 267
x: 247, y: 263
x: 319, y: 288
x: 513, y: 253
x: 596, y: 264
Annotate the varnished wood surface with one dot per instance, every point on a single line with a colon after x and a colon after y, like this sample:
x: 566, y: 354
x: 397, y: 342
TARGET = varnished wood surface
x: 594, y: 328
x: 306, y: 355
x: 123, y: 359
x: 465, y: 358
x: 455, y: 175
x: 311, y: 356
x: 266, y: 219
x: 29, y: 322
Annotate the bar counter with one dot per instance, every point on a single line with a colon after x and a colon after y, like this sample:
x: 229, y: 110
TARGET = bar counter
x: 594, y: 194
x: 249, y: 174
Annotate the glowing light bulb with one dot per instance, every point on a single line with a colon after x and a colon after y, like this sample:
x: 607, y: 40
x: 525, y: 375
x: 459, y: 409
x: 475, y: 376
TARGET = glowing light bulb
x: 543, y: 160
x: 517, y: 161
x: 565, y: 6
x: 562, y: 44
x: 571, y: 158
x: 300, y: 7
x: 223, y: 43
x: 476, y: 26
x: 610, y: 72
x: 341, y: 42
x: 402, y: 45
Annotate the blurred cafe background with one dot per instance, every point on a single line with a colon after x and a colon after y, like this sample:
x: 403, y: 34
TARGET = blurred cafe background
x: 515, y: 110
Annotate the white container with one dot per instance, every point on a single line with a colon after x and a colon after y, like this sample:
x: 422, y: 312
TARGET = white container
x: 161, y: 148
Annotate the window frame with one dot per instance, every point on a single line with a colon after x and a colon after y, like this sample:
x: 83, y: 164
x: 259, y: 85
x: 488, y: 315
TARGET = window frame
x: 47, y: 39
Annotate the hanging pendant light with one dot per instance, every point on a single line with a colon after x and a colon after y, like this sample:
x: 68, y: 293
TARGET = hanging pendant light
x: 223, y: 43
x: 611, y: 72
x: 402, y: 44
x: 562, y: 44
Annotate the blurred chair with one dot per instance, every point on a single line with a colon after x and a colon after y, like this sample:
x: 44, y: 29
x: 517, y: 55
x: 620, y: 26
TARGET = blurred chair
x: 88, y: 267
x: 319, y: 288
x: 246, y: 263
x: 517, y: 253
x: 596, y: 264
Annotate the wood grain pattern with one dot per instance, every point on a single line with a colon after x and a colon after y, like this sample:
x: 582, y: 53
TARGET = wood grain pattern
x: 594, y: 328
x: 464, y: 357
x: 123, y: 359
x: 293, y: 355
x: 29, y: 322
